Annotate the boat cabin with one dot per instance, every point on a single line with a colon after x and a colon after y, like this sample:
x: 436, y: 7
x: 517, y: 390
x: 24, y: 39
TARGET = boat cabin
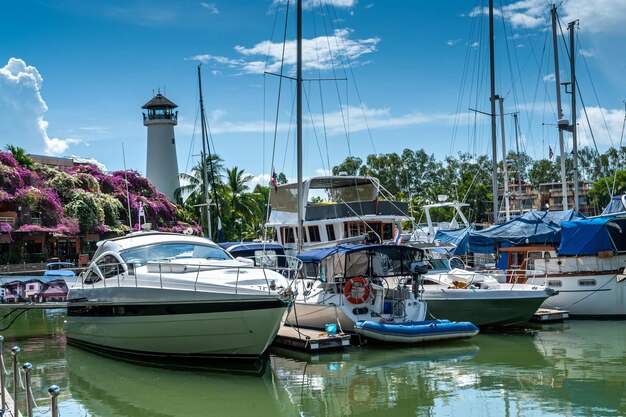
x: 335, y: 209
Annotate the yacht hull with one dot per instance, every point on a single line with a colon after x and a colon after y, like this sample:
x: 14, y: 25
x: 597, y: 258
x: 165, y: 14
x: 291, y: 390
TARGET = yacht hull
x: 224, y: 328
x: 600, y: 295
x: 484, y: 308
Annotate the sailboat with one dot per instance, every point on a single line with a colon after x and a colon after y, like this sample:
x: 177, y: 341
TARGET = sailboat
x: 366, y: 288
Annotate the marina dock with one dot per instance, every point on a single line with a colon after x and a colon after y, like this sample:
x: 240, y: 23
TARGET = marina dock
x: 545, y: 315
x: 310, y: 340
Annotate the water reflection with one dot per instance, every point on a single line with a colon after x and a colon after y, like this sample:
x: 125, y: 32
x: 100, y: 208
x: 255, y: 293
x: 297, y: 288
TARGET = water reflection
x: 572, y: 369
x: 369, y: 381
x: 110, y: 387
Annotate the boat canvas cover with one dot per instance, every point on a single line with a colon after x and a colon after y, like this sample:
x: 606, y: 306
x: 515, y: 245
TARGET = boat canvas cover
x: 463, y: 242
x: 590, y: 236
x: 532, y: 227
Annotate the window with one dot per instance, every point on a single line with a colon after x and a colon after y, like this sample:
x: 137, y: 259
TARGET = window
x: 289, y: 235
x: 109, y: 266
x: 354, y: 229
x: 555, y: 283
x: 387, y: 231
x: 330, y: 231
x: 314, y: 234
x: 587, y: 282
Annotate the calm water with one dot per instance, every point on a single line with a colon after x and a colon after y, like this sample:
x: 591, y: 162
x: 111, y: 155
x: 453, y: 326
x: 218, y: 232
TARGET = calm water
x: 572, y: 369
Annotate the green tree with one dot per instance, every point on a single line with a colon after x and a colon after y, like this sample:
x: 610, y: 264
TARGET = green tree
x: 543, y: 171
x: 352, y: 165
x: 21, y: 156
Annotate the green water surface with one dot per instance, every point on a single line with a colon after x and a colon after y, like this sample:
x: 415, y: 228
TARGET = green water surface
x: 577, y: 368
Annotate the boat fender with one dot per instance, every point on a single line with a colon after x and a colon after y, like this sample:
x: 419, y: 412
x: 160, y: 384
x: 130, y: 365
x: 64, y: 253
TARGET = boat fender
x: 357, y: 290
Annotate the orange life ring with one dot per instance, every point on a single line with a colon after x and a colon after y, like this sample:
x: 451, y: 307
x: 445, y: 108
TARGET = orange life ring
x: 356, y: 294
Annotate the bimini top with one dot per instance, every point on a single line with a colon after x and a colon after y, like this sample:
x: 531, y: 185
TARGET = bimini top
x: 316, y: 256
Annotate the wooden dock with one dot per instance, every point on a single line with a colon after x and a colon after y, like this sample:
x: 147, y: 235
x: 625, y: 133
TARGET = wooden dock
x: 545, y: 315
x: 10, y: 405
x: 310, y: 340
x: 49, y: 305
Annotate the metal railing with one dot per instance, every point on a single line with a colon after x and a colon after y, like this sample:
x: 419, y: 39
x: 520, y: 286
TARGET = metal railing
x: 17, y: 383
x: 118, y: 274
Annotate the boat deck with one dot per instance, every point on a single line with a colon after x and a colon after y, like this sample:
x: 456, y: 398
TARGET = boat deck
x: 34, y: 306
x: 310, y: 340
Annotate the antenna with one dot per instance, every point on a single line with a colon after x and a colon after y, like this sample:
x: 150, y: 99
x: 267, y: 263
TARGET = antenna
x: 130, y: 222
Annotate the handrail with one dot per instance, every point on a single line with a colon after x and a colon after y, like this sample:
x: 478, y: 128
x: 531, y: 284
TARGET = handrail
x: 288, y: 272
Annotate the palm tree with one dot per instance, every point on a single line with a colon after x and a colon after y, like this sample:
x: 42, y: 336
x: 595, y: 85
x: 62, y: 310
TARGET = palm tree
x: 192, y: 191
x: 242, y: 202
x: 21, y: 156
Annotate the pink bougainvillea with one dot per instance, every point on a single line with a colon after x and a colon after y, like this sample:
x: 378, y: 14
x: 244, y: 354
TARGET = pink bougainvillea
x: 37, y: 195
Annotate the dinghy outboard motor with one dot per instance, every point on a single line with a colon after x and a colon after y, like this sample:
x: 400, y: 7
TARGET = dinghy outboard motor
x: 417, y: 270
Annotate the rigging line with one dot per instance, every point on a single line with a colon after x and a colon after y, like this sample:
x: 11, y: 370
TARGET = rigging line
x: 332, y: 64
x: 319, y: 73
x: 593, y: 87
x: 595, y: 145
x: 356, y: 86
x: 280, y: 84
x: 462, y: 87
x: 308, y: 104
x: 193, y: 134
x: 292, y: 114
x: 620, y: 148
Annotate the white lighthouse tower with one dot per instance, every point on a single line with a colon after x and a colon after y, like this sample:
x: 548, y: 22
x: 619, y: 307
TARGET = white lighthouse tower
x: 162, y: 164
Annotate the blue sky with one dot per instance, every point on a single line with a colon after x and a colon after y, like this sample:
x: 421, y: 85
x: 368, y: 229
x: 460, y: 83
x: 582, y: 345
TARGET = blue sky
x: 74, y: 75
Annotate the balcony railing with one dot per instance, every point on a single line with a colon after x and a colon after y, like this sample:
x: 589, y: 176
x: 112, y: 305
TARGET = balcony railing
x: 7, y: 220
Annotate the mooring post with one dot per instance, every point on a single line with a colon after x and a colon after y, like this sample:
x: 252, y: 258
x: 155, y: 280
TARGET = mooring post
x: 15, y: 350
x: 54, y: 392
x: 3, y: 380
x: 29, y: 399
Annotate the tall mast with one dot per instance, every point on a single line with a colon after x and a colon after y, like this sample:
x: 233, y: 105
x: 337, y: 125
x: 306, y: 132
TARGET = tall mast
x: 559, y: 109
x: 519, y: 168
x: 571, y: 27
x: 299, y: 123
x: 505, y: 168
x: 494, y: 147
x: 205, y: 180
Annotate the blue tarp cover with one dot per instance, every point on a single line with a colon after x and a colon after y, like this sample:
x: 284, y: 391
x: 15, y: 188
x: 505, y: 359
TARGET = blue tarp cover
x: 532, y: 227
x: 585, y: 237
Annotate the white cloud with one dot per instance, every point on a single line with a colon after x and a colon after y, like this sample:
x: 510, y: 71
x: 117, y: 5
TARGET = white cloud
x: 22, y: 110
x: 309, y: 4
x: 614, y: 121
x: 549, y: 78
x: 211, y: 7
x: 599, y: 16
x: 587, y: 53
x: 453, y: 42
x: 318, y: 53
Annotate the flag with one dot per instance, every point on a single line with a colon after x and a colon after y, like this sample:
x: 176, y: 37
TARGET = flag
x: 550, y: 153
x: 273, y: 181
x: 397, y: 237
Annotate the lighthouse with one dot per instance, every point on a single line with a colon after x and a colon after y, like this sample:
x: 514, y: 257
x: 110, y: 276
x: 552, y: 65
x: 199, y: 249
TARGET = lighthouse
x: 162, y: 164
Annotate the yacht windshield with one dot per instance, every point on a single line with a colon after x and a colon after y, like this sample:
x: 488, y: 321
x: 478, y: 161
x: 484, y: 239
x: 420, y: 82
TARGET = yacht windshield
x: 169, y: 251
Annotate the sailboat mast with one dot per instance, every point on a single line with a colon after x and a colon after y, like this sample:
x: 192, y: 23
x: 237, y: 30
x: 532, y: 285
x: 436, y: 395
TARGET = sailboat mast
x: 571, y: 27
x: 494, y: 147
x: 505, y: 168
x: 559, y: 108
x: 299, y: 123
x: 205, y: 180
x: 519, y: 166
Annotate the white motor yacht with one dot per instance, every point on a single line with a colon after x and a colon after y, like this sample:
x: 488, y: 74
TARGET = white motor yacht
x: 174, y: 295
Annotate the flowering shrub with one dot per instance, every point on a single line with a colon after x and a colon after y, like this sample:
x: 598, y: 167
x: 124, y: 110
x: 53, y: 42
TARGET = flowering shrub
x: 83, y: 199
x: 5, y: 228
